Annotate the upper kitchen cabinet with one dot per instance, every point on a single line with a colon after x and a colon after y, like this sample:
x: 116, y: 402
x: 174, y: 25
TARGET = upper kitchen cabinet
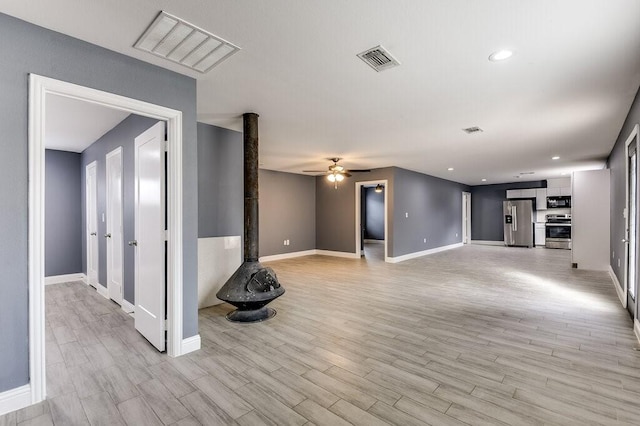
x: 590, y: 219
x: 558, y: 187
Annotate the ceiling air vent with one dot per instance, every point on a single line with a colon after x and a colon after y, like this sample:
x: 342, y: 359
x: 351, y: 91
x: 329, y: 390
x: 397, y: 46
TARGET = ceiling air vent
x: 474, y: 129
x: 185, y: 44
x: 378, y: 58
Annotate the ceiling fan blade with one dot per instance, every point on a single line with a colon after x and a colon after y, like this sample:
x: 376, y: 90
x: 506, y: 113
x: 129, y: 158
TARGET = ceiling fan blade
x: 347, y: 174
x: 314, y: 171
x: 359, y: 170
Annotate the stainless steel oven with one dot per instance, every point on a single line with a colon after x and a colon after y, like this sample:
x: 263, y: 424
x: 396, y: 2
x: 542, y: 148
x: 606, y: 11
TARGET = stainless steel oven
x: 558, y: 231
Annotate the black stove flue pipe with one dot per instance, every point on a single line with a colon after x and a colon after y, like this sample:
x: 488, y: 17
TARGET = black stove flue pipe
x: 252, y: 286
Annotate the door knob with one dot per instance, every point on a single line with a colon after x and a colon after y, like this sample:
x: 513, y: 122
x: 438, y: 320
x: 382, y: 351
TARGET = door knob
x: 133, y: 243
x: 624, y: 240
x: 94, y: 233
x: 107, y: 235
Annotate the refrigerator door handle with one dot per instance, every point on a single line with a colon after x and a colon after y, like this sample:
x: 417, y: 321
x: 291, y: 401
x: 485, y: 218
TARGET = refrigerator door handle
x: 514, y: 212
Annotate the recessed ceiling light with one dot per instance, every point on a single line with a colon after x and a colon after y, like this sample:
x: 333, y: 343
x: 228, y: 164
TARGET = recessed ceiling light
x: 500, y: 55
x: 555, y: 157
x: 450, y: 169
x: 484, y: 180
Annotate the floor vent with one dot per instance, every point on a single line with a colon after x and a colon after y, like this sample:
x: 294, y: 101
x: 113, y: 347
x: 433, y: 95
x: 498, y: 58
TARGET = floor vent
x: 183, y: 43
x: 378, y: 58
x: 474, y: 129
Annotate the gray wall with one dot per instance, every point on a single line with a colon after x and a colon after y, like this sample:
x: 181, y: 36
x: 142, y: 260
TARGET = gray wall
x: 435, y: 212
x: 287, y: 200
x: 28, y: 49
x: 336, y: 210
x: 617, y: 164
x: 63, y: 210
x: 373, y: 210
x: 220, y: 182
x: 121, y: 135
x: 486, y: 208
x: 287, y: 212
x: 434, y: 206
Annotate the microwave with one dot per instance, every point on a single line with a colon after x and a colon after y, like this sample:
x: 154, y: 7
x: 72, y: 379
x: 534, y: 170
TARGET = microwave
x: 561, y: 202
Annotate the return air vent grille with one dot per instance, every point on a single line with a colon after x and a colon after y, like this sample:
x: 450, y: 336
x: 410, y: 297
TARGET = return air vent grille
x: 474, y: 129
x: 185, y: 44
x: 378, y: 58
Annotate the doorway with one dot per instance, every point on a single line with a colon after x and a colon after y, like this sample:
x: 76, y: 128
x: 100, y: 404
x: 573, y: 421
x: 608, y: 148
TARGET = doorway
x: 369, y: 242
x: 39, y: 88
x: 631, y: 231
x: 466, y: 218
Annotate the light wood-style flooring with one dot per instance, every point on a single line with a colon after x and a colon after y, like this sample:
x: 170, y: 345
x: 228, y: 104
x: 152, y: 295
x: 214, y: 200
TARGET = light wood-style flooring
x: 479, y: 335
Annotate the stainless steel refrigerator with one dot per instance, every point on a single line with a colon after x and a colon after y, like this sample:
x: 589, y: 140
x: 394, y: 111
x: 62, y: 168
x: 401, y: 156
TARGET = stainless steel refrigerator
x: 518, y: 223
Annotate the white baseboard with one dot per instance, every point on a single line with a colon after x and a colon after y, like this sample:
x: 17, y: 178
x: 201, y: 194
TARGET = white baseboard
x: 636, y: 328
x: 619, y: 290
x: 127, y: 307
x: 287, y: 255
x: 58, y: 279
x: 337, y: 254
x: 422, y: 253
x: 190, y: 344
x: 102, y: 290
x: 15, y: 399
x: 487, y: 243
x: 367, y: 241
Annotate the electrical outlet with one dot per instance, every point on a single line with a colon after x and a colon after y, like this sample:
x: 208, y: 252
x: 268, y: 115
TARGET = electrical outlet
x: 102, y: 217
x: 284, y: 243
x: 406, y: 214
x: 618, y: 262
x: 425, y: 240
x: 613, y: 254
x: 456, y: 234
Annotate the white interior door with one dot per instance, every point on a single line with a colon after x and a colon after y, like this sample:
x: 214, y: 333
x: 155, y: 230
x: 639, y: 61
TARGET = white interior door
x: 91, y: 209
x: 466, y: 217
x: 150, y: 291
x: 114, y: 226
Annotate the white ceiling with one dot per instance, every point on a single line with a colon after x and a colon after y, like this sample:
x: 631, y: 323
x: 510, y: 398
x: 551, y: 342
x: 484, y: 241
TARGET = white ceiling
x: 72, y: 125
x: 566, y: 90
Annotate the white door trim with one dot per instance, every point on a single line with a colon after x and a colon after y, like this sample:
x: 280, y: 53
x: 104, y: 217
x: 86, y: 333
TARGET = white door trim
x: 632, y: 136
x: 359, y: 186
x: 39, y: 87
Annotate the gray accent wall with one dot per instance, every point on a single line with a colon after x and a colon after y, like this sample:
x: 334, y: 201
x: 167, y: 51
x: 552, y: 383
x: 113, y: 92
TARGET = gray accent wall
x: 434, y: 207
x: 63, y: 214
x: 220, y: 182
x: 373, y: 213
x: 617, y: 163
x: 336, y: 210
x: 486, y: 208
x: 123, y: 135
x: 27, y: 48
x: 287, y: 212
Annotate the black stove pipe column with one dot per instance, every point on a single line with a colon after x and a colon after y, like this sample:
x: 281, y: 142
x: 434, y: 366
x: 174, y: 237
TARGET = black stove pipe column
x: 251, y: 238
x: 252, y: 286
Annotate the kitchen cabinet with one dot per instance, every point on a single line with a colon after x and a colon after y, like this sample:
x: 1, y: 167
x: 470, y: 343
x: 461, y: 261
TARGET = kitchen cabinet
x: 521, y: 193
x: 541, y: 199
x: 540, y: 234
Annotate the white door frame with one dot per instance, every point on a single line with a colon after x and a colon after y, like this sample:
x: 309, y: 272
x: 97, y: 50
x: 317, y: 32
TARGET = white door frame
x: 359, y: 186
x: 111, y: 241
x: 466, y: 214
x: 625, y: 284
x: 39, y: 87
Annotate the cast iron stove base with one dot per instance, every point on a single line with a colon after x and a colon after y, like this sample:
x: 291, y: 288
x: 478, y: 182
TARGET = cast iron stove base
x: 255, y: 315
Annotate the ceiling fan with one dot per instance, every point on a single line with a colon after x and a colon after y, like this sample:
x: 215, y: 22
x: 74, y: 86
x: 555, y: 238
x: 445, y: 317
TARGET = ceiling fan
x: 336, y: 172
